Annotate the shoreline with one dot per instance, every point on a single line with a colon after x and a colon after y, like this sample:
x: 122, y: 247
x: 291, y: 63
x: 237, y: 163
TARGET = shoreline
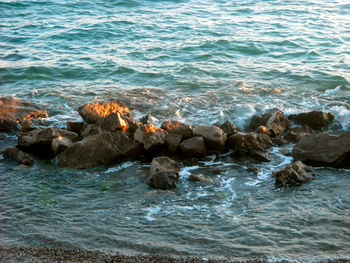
x: 30, y: 254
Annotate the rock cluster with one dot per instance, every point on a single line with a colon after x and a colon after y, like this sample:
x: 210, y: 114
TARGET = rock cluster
x: 110, y: 135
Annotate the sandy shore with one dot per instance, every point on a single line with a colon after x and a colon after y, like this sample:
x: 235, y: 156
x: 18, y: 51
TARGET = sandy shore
x: 14, y: 255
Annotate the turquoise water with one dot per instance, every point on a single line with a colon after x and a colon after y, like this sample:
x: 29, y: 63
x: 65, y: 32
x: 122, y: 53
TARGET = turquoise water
x: 194, y: 61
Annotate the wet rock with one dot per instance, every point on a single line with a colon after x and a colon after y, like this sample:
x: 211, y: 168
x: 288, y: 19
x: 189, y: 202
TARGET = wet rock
x: 297, y: 133
x: 95, y: 111
x: 263, y: 129
x: 162, y: 180
x: 76, y: 126
x: 113, y: 122
x: 279, y: 141
x: 164, y: 164
x: 90, y: 130
x: 60, y: 144
x: 214, y: 137
x: 246, y: 143
x: 293, y: 174
x: 147, y: 119
x: 38, y: 141
x: 14, y: 110
x: 26, y: 126
x: 229, y: 128
x: 193, y: 147
x: 152, y: 137
x: 104, y: 148
x: 172, y: 142
x: 315, y: 119
x: 179, y: 128
x: 274, y: 120
x: 324, y: 150
x: 12, y: 153
x: 260, y: 156
x: 217, y: 170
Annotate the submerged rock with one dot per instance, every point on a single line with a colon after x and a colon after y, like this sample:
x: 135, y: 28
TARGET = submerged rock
x: 164, y: 164
x: 315, y: 119
x: 214, y: 137
x: 152, y: 137
x: 96, y: 111
x: 324, y: 150
x: 162, y: 180
x: 12, y: 153
x: 296, y: 173
x: 193, y: 147
x: 14, y: 110
x: 179, y: 128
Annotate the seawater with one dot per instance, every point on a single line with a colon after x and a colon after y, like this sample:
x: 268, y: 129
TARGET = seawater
x: 197, y: 62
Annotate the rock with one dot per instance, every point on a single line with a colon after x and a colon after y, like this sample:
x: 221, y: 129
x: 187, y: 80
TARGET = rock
x: 12, y: 153
x: 38, y: 141
x: 297, y: 133
x: 293, y: 174
x: 147, y: 119
x: 113, y: 122
x: 315, y: 119
x: 214, y: 137
x: 179, y: 128
x: 104, y: 148
x: 164, y: 164
x: 196, y: 178
x: 260, y: 156
x: 26, y: 126
x: 274, y: 120
x: 60, y: 144
x: 193, y: 147
x: 229, y: 128
x: 14, y: 110
x: 152, y: 137
x: 217, y: 170
x: 279, y: 141
x: 90, y: 130
x: 324, y: 150
x: 162, y: 180
x: 76, y: 126
x: 172, y: 142
x: 263, y: 129
x: 252, y: 144
x: 95, y: 111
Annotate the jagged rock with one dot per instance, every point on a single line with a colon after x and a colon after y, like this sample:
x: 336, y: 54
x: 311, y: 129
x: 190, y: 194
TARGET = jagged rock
x: 14, y: 110
x: 104, y: 148
x: 60, y: 144
x: 260, y: 156
x: 95, y: 111
x: 147, y: 119
x: 179, y: 128
x: 324, y: 150
x: 315, y: 119
x: 162, y: 180
x: 296, y: 173
x: 113, y: 122
x: 38, y: 141
x: 76, y: 126
x: 26, y: 126
x: 196, y: 178
x: 193, y: 147
x: 274, y: 120
x: 12, y: 153
x: 150, y: 136
x: 214, y: 137
x: 164, y: 164
x: 172, y: 142
x: 297, y: 133
x: 229, y: 128
x: 253, y: 144
x: 279, y: 141
x: 90, y: 130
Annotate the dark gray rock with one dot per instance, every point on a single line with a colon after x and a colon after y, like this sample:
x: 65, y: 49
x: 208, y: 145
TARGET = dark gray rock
x: 172, y: 142
x: 76, y: 126
x: 315, y: 119
x: 249, y: 143
x: 152, y: 137
x: 193, y: 147
x: 214, y: 137
x: 60, y: 144
x: 90, y: 130
x: 162, y: 180
x: 293, y: 174
x: 229, y: 128
x: 113, y: 122
x: 164, y: 164
x: 12, y: 153
x: 179, y: 128
x: 297, y: 133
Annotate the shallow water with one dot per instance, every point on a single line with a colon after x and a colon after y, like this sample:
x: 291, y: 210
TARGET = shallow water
x: 194, y: 61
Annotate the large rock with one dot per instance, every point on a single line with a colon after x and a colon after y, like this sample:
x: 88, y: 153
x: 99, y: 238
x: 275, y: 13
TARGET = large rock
x: 229, y: 128
x: 60, y: 144
x: 162, y: 180
x: 76, y: 126
x: 39, y: 141
x: 95, y: 111
x: 152, y: 137
x: 297, y: 133
x: 164, y: 164
x: 324, y: 150
x: 274, y: 120
x: 113, y: 122
x: 12, y: 153
x: 193, y: 147
x: 315, y: 119
x: 214, y: 137
x: 172, y: 142
x: 179, y: 128
x: 103, y: 148
x: 163, y: 173
x: 14, y: 110
x: 296, y: 173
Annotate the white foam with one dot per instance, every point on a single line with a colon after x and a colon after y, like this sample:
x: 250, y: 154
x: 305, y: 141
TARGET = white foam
x: 330, y: 92
x: 185, y: 171
x: 152, y: 211
x: 253, y: 182
x: 119, y: 167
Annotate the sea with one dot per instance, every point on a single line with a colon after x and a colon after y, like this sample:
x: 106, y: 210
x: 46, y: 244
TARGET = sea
x: 199, y: 62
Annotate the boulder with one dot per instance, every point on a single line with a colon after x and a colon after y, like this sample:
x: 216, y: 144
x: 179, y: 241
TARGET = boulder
x: 172, y: 142
x: 229, y: 128
x: 91, y: 129
x: 152, y: 137
x: 315, y: 119
x: 104, y: 148
x: 95, y: 111
x: 193, y: 147
x: 214, y: 137
x: 14, y: 110
x: 60, y: 144
x: 324, y: 150
x: 147, y: 119
x: 274, y: 120
x: 164, y: 164
x: 162, y: 180
x: 26, y: 126
x: 293, y: 174
x: 76, y: 126
x: 179, y: 128
x: 12, y: 153
x: 297, y: 133
x: 113, y: 122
